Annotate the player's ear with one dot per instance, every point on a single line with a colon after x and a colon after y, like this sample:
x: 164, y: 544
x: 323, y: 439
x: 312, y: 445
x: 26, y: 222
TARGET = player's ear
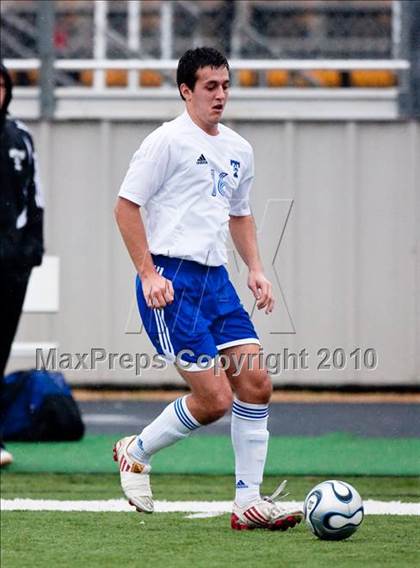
x: 185, y: 91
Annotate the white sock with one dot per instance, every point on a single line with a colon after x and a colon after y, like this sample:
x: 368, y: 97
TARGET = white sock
x: 250, y: 442
x: 173, y: 424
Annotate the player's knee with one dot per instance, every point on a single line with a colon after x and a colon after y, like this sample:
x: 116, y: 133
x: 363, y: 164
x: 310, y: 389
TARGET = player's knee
x: 220, y: 404
x: 258, y: 387
x: 266, y: 387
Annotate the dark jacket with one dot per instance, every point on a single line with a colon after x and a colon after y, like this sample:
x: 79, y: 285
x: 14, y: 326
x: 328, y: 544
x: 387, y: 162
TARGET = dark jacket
x: 21, y: 210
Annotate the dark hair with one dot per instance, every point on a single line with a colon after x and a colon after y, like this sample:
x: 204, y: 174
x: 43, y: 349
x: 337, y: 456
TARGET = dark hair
x: 8, y: 87
x: 195, y: 59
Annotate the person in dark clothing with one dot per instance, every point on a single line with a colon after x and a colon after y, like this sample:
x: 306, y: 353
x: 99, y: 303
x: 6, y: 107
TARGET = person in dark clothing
x: 21, y: 222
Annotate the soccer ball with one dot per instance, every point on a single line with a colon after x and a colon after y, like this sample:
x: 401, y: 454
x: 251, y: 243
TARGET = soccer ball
x: 333, y: 510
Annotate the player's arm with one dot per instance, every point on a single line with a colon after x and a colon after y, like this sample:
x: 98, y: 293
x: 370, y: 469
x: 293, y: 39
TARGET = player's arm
x: 157, y: 290
x: 242, y: 229
x: 33, y: 240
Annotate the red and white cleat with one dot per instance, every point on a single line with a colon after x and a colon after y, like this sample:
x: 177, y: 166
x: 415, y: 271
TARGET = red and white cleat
x: 265, y: 514
x: 134, y: 477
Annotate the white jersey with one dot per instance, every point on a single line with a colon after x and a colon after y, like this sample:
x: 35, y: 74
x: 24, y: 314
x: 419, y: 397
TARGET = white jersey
x: 189, y: 182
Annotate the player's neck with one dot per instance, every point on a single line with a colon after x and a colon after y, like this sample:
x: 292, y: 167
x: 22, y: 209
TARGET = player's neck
x: 209, y: 128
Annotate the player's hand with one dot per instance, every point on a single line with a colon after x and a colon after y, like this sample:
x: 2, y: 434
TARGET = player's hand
x: 262, y: 290
x: 157, y: 290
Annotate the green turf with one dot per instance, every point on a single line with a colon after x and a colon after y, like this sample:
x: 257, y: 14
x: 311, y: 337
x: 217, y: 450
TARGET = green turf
x: 329, y: 455
x: 40, y: 539
x: 172, y: 541
x: 189, y: 487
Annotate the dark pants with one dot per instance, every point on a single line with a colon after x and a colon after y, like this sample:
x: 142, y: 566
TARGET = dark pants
x: 13, y: 286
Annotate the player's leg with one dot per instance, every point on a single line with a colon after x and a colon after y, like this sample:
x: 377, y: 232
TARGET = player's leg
x: 252, y: 387
x: 180, y: 333
x: 210, y: 399
x: 237, y: 340
x: 239, y: 347
x: 13, y: 286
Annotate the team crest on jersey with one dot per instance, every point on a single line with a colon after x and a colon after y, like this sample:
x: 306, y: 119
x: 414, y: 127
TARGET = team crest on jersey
x: 17, y: 156
x: 235, y: 165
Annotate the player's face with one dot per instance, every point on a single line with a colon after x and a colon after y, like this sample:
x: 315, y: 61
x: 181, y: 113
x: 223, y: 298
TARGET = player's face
x: 207, y: 101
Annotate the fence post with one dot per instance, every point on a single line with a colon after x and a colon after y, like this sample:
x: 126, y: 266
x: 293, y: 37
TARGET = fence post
x: 409, y: 48
x: 133, y: 38
x: 99, y: 40
x: 166, y: 29
x: 45, y: 25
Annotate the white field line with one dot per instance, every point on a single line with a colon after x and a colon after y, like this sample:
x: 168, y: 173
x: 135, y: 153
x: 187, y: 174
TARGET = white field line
x: 206, y: 507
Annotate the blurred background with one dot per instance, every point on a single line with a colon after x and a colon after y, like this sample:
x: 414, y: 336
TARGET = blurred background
x: 246, y: 29
x: 328, y: 94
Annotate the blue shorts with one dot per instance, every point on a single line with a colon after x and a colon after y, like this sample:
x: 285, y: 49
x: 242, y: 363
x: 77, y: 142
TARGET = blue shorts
x: 205, y: 317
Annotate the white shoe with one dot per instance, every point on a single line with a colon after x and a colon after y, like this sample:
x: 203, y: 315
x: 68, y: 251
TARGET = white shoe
x: 6, y: 457
x: 134, y: 477
x: 264, y: 513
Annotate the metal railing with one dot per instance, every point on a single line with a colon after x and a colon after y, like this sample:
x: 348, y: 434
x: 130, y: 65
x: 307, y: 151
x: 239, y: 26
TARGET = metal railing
x: 235, y: 64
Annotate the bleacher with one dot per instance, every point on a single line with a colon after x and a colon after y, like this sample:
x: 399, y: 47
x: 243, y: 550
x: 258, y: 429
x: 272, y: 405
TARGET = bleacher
x: 272, y: 30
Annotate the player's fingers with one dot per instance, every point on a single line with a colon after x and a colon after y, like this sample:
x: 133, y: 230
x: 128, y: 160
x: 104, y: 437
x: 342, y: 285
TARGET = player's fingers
x: 254, y: 289
x: 148, y: 297
x: 262, y: 300
x: 169, y: 292
x: 270, y: 300
x: 270, y: 306
x: 168, y: 297
x: 158, y: 300
x: 264, y: 297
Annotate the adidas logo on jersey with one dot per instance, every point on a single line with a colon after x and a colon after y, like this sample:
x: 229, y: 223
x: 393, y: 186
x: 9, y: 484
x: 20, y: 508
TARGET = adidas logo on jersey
x: 241, y: 485
x: 201, y: 160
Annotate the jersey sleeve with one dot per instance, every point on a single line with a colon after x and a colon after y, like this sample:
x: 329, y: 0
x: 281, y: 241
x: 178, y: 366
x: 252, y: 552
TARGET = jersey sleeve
x: 239, y: 203
x: 32, y: 240
x: 147, y: 169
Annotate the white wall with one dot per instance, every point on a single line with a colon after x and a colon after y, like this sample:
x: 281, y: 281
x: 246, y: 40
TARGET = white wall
x: 348, y: 264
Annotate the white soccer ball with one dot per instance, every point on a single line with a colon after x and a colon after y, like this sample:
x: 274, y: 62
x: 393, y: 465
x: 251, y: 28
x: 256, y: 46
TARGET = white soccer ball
x: 333, y: 510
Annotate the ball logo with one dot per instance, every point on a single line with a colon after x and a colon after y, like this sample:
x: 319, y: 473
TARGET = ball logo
x: 312, y: 501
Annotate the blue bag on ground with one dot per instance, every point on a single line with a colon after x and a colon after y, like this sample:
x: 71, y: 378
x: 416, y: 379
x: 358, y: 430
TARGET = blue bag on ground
x: 38, y: 406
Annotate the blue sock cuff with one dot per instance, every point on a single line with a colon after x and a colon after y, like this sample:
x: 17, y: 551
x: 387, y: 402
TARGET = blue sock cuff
x: 249, y: 411
x: 184, y: 415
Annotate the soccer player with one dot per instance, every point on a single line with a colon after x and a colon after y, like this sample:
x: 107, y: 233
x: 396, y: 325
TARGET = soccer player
x: 193, y: 176
x: 21, y: 225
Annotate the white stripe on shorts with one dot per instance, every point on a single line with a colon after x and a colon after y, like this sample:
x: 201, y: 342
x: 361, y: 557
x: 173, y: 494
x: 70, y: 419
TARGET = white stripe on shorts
x: 164, y: 337
x: 247, y: 341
